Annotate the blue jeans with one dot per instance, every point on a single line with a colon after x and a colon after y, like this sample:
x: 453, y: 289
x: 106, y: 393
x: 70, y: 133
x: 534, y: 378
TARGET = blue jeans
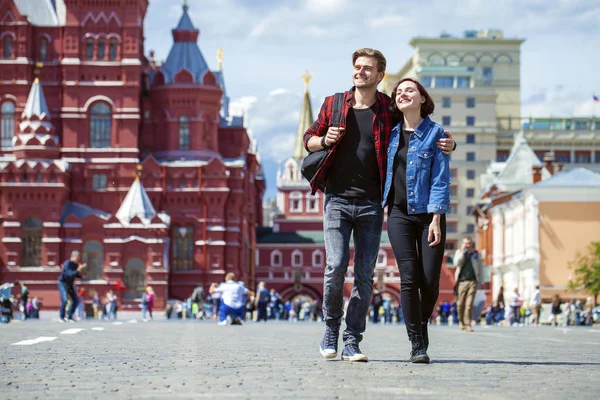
x: 225, y: 311
x: 67, y: 290
x: 342, y: 216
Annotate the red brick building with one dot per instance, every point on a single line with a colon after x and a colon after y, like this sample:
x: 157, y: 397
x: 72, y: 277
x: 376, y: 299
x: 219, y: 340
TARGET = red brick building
x: 137, y: 165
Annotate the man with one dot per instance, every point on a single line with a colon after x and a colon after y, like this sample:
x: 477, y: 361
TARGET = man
x: 24, y: 298
x: 535, y: 304
x: 233, y: 300
x: 71, y: 270
x: 352, y: 173
x: 468, y: 275
x: 263, y: 297
x: 198, y: 300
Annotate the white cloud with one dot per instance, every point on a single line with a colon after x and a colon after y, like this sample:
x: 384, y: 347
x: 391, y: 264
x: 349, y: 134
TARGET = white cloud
x: 386, y: 21
x: 278, y: 92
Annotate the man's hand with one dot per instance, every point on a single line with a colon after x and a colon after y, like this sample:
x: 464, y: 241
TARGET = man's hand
x: 463, y: 247
x: 333, y: 135
x: 446, y: 144
x: 81, y: 267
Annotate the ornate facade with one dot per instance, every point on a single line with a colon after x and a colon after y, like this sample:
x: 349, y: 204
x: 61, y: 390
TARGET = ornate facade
x: 137, y: 165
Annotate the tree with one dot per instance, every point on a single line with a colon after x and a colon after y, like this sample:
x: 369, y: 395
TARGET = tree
x: 586, y: 268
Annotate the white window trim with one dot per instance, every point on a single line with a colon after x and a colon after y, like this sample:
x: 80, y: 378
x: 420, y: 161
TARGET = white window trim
x: 273, y: 254
x: 314, y: 254
x: 295, y: 196
x: 310, y: 197
x: 384, y: 262
x: 294, y: 254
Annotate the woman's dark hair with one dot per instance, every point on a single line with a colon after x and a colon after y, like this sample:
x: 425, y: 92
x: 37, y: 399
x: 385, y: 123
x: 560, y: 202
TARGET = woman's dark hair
x: 426, y: 108
x: 556, y: 301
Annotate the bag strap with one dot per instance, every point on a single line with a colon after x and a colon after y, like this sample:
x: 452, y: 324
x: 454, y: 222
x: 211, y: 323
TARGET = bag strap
x: 336, y: 112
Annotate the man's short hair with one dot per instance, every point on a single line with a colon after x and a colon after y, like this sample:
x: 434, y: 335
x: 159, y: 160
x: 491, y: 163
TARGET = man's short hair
x: 75, y: 253
x: 469, y: 238
x: 230, y: 277
x: 367, y: 52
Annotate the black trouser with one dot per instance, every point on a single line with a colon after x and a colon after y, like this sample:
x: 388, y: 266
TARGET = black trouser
x: 262, y: 311
x: 419, y: 264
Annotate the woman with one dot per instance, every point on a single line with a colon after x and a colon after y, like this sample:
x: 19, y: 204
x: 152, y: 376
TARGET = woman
x: 149, y: 300
x: 416, y: 190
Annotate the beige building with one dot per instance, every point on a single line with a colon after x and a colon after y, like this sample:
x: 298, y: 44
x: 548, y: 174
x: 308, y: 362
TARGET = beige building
x: 540, y: 230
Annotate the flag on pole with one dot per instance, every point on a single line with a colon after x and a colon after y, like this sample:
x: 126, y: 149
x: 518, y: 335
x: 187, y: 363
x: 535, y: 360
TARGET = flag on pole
x: 596, y: 98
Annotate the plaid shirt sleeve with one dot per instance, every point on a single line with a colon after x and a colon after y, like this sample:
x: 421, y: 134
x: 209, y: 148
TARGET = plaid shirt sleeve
x: 321, y: 124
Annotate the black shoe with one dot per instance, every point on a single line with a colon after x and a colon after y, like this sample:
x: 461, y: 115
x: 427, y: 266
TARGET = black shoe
x: 418, y: 355
x: 329, y: 344
x: 425, y: 336
x: 351, y: 352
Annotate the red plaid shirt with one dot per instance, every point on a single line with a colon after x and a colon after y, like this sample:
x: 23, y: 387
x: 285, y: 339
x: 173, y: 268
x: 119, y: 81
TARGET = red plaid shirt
x: 382, y: 126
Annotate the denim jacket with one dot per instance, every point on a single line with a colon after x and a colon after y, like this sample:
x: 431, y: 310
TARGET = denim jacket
x: 427, y: 169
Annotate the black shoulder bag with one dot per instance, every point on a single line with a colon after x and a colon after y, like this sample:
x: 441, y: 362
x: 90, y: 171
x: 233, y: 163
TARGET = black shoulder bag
x: 313, y: 161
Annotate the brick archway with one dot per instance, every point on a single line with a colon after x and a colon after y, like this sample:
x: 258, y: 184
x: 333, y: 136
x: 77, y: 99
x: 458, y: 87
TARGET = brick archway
x: 294, y: 290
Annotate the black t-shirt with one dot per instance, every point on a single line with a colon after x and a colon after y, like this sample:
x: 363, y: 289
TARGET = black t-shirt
x: 467, y: 273
x: 399, y: 188
x: 355, y: 172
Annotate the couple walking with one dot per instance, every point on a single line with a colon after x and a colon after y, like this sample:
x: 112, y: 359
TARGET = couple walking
x: 384, y: 153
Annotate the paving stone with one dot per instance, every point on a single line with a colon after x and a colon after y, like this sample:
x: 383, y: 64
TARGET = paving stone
x: 194, y: 360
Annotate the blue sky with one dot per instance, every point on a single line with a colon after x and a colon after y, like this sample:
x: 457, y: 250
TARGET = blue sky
x: 269, y: 44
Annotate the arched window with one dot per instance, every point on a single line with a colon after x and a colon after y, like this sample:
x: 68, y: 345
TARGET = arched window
x: 43, y: 49
x: 31, y: 243
x: 312, y: 202
x: 317, y: 258
x: 8, y: 123
x: 89, y: 50
x: 382, y: 258
x: 112, y: 50
x: 183, y: 248
x: 296, y: 258
x: 101, y: 49
x: 93, y: 256
x: 276, y: 258
x: 8, y: 47
x: 184, y: 133
x: 296, y: 202
x: 100, y: 122
x: 135, y: 278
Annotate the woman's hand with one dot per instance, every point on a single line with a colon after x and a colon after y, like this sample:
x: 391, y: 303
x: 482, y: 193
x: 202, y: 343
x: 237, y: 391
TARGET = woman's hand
x: 435, y: 234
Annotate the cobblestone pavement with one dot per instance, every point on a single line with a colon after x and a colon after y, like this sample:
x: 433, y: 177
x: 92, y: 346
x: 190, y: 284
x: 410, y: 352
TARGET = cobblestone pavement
x: 190, y: 359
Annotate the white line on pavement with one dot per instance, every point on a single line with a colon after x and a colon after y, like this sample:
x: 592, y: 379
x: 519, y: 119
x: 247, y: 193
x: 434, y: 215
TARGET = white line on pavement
x: 34, y: 341
x: 72, y: 331
x: 98, y: 328
x: 132, y: 321
x: 117, y: 323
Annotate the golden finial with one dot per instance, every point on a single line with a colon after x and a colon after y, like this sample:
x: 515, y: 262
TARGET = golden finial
x: 37, y: 69
x: 138, y: 172
x: 220, y: 58
x: 306, y: 77
x: 185, y: 4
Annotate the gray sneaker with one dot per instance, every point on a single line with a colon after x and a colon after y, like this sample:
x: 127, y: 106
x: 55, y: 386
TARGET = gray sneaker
x: 329, y: 344
x: 351, y: 352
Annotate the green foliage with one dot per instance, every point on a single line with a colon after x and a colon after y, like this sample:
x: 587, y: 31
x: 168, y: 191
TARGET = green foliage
x: 586, y: 269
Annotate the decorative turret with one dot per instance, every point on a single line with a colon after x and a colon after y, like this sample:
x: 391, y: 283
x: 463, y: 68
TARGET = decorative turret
x: 185, y: 56
x: 136, y: 204
x: 36, y: 128
x: 306, y: 120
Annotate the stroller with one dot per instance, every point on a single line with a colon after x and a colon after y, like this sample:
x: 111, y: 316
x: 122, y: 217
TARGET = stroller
x: 6, y: 309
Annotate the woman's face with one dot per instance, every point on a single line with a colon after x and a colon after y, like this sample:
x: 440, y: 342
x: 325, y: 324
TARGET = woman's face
x: 408, y: 97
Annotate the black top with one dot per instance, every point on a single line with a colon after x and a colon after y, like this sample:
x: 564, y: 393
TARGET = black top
x: 69, y: 272
x: 399, y: 184
x: 355, y: 172
x: 467, y: 273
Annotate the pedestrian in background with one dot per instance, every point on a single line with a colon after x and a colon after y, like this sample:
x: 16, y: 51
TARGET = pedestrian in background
x: 556, y: 310
x: 468, y: 275
x: 71, y: 270
x: 233, y: 300
x: 535, y: 304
